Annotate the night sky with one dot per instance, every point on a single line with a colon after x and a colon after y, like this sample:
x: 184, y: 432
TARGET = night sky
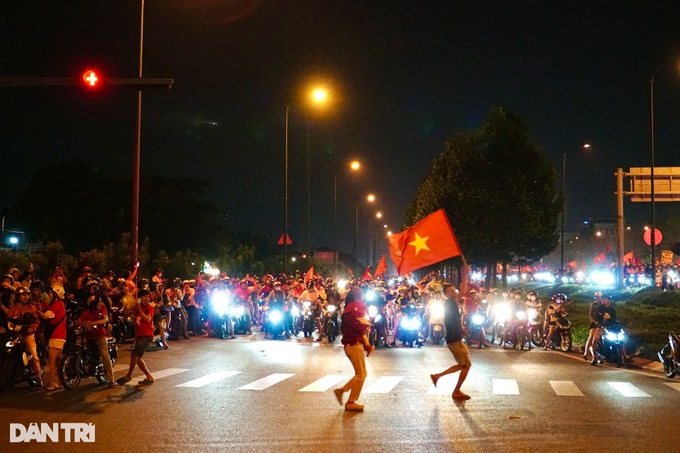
x: 404, y: 76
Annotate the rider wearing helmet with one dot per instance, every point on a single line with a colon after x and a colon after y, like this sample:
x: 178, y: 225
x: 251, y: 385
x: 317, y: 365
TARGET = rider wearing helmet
x: 594, y: 307
x: 24, y: 309
x: 603, y: 315
x: 551, y: 312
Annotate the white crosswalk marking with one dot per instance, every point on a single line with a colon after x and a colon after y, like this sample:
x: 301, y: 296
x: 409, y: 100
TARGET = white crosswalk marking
x: 565, y: 388
x: 385, y: 384
x: 209, y: 379
x: 505, y: 387
x: 266, y: 382
x: 673, y: 385
x: 158, y: 375
x: 628, y: 390
x: 326, y: 382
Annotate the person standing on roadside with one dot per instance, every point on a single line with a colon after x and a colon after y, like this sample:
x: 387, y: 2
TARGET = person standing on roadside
x: 354, y: 329
x: 454, y: 341
x: 143, y: 313
x: 594, y: 308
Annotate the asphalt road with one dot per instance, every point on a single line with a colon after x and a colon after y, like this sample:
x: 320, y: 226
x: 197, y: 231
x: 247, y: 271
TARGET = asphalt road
x: 257, y: 395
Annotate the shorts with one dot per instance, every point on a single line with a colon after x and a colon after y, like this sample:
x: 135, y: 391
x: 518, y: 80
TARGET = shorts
x: 56, y: 343
x: 460, y: 353
x: 158, y: 318
x: 141, y: 343
x: 552, y: 323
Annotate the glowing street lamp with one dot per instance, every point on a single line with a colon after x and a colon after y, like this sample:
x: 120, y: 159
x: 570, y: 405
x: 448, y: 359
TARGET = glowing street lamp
x: 319, y: 95
x: 370, y: 198
x: 354, y: 166
x: 14, y: 240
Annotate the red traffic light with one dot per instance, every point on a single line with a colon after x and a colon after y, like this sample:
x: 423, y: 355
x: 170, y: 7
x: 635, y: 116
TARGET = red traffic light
x: 91, y: 79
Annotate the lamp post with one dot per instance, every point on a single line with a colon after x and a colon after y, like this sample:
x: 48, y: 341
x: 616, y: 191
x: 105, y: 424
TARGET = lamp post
x: 285, y: 199
x: 564, y: 206
x: 137, y: 158
x: 651, y: 177
x: 354, y: 166
x: 370, y: 198
x: 318, y: 96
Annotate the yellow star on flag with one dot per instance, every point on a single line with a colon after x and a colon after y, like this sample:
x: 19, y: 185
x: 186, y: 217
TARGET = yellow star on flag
x: 420, y: 243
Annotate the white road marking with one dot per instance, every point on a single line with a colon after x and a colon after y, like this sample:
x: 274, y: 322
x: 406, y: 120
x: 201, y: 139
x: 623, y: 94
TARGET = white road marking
x: 158, y: 375
x: 674, y: 385
x: 505, y: 387
x: 385, y: 384
x: 266, y: 382
x: 209, y: 379
x: 628, y: 390
x: 565, y: 388
x: 326, y: 382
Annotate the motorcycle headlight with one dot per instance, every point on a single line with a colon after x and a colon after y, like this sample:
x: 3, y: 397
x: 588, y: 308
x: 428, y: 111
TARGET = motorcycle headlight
x: 275, y: 316
x: 611, y: 336
x: 502, y: 312
x: 621, y: 336
x: 220, y: 302
x: 370, y: 295
x: 372, y: 311
x: 332, y: 308
x: 237, y: 312
x: 295, y: 311
x: 306, y: 304
x: 437, y: 310
x: 531, y: 313
x: 478, y: 320
x: 521, y: 315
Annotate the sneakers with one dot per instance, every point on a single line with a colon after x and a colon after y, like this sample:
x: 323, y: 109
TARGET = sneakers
x: 354, y: 407
x: 338, y: 395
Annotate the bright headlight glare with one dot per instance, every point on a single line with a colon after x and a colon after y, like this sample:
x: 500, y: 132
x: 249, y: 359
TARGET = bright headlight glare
x: 220, y: 302
x: 332, y: 308
x: 531, y: 313
x: 306, y: 304
x: 502, y: 312
x: 275, y: 316
x: 478, y: 319
x: 370, y: 295
x: 372, y: 311
x: 237, y: 312
x: 437, y: 310
x: 521, y: 315
x: 620, y: 336
x: 378, y: 318
x: 295, y: 311
x: 611, y: 336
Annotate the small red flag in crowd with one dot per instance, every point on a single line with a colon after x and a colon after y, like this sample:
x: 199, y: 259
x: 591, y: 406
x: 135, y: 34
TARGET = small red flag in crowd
x: 382, y: 267
x: 309, y: 275
x: 427, y: 242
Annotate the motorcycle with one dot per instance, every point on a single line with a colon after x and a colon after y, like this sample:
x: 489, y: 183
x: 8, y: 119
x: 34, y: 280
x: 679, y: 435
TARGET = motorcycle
x: 222, y: 320
x: 14, y: 360
x: 331, y: 322
x: 535, y: 327
x: 296, y: 320
x: 670, y: 356
x: 307, y: 319
x: 378, y: 321
x: 80, y: 361
x: 274, y: 318
x: 240, y: 319
x: 501, y: 317
x: 409, y: 327
x: 610, y: 346
x: 123, y: 327
x: 562, y: 335
x: 436, y: 322
x: 518, y: 332
x: 476, y: 329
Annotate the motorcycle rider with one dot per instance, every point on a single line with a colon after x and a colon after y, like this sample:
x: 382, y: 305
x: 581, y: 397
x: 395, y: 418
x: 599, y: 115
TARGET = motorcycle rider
x: 276, y: 300
x: 551, y: 313
x: 95, y: 319
x: 173, y: 296
x: 313, y: 295
x: 605, y: 313
x: 594, y: 307
x: 22, y: 305
x: 516, y: 304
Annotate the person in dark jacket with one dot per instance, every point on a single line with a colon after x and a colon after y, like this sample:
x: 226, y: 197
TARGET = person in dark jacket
x: 354, y: 329
x: 454, y: 341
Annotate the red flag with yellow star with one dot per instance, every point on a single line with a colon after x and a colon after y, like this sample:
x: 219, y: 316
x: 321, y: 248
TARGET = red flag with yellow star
x: 427, y: 242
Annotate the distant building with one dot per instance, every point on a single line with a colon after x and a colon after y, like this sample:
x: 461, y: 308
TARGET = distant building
x: 602, y: 227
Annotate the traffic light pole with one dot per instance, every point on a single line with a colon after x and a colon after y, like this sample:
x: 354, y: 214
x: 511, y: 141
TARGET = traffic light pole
x: 137, y: 157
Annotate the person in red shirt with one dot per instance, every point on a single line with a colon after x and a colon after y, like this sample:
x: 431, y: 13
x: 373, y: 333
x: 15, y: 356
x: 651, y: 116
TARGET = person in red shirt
x: 55, y: 334
x: 143, y: 313
x: 95, y: 319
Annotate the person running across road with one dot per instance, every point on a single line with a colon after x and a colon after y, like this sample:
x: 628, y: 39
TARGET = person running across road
x: 143, y: 313
x: 354, y: 329
x: 454, y: 341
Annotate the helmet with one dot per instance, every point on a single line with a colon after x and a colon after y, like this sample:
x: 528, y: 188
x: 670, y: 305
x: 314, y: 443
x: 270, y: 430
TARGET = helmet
x: 37, y: 284
x: 559, y: 297
x: 87, y: 269
x: 532, y: 293
x: 59, y: 291
x: 13, y: 270
x: 111, y: 274
x: 597, y: 294
x: 8, y: 277
x: 22, y: 290
x: 92, y: 282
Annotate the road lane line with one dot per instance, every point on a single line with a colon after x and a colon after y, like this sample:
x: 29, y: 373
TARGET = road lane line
x: 628, y: 390
x: 266, y: 382
x: 326, y: 382
x: 673, y: 385
x: 505, y: 387
x: 158, y: 375
x: 209, y: 379
x: 384, y: 384
x: 565, y: 388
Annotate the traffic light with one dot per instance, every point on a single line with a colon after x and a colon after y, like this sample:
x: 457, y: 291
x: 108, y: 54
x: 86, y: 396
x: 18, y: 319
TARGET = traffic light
x: 91, y: 79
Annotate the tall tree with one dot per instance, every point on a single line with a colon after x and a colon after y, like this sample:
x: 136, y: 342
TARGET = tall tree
x: 498, y: 187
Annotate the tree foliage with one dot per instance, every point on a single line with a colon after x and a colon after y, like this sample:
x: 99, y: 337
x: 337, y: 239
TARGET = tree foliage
x: 498, y: 188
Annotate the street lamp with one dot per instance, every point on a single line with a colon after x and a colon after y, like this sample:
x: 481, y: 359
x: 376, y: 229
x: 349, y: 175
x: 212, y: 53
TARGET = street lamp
x: 137, y: 158
x: 318, y: 96
x: 371, y: 199
x: 354, y: 165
